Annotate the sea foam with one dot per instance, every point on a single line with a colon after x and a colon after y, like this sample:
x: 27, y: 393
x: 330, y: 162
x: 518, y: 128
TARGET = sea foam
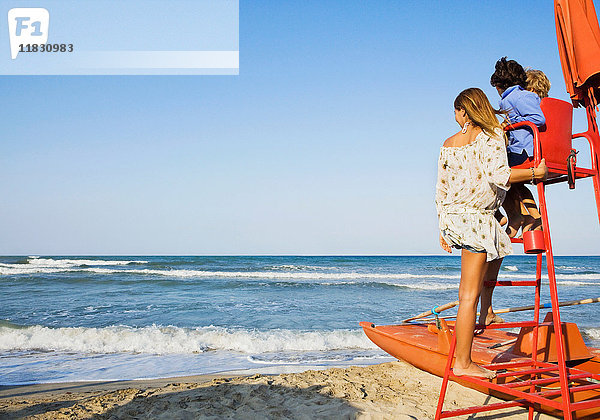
x: 65, y: 263
x: 593, y: 333
x: 176, y: 340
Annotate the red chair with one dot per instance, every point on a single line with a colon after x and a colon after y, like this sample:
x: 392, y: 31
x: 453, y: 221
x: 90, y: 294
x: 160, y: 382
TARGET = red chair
x: 554, y: 143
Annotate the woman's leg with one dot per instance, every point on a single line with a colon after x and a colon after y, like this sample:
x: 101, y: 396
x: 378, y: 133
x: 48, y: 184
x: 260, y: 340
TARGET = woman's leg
x: 487, y: 315
x: 512, y: 205
x: 502, y: 219
x: 473, y: 267
x: 532, y: 219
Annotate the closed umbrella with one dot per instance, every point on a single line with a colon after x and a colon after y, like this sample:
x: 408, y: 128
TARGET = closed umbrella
x: 578, y: 36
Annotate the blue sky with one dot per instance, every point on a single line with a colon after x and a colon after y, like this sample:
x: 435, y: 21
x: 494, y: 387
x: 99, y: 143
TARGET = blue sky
x: 326, y: 143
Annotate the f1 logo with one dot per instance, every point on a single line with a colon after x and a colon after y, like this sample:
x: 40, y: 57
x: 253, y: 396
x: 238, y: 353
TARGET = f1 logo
x: 27, y: 26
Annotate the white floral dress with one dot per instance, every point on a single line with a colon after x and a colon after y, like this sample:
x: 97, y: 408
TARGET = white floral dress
x: 471, y: 185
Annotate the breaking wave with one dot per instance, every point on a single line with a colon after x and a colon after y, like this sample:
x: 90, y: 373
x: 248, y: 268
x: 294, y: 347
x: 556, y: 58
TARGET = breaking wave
x: 593, y: 333
x: 175, y: 340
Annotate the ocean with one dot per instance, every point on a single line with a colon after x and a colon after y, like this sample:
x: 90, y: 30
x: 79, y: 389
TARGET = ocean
x: 110, y: 318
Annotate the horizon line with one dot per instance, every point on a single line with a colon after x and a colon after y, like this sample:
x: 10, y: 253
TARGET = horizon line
x: 32, y: 255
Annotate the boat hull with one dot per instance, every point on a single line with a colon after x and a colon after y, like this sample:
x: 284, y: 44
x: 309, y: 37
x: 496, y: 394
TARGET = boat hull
x: 426, y: 347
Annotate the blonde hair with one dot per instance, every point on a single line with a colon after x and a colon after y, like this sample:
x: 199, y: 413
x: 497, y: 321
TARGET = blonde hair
x: 479, y: 110
x: 538, y: 83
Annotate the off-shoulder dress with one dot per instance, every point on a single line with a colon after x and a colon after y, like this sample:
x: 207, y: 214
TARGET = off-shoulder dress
x: 471, y: 185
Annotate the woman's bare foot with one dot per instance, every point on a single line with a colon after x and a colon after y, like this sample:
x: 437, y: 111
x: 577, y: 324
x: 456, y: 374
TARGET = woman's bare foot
x: 474, y: 370
x: 492, y: 319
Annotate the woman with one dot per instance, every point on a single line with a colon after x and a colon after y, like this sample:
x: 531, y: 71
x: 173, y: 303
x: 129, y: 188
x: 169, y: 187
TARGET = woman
x: 473, y: 177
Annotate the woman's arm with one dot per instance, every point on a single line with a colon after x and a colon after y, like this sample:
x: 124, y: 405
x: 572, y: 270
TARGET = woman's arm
x: 441, y: 190
x: 523, y: 175
x: 441, y: 186
x: 444, y: 245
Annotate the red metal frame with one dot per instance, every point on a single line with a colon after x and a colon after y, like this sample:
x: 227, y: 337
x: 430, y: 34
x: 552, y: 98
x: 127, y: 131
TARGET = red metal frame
x: 538, y: 372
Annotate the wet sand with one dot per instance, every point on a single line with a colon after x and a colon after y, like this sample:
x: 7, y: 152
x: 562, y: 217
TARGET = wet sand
x: 393, y: 390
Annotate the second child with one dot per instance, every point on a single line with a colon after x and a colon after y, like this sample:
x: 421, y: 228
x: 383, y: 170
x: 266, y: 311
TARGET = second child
x: 538, y: 83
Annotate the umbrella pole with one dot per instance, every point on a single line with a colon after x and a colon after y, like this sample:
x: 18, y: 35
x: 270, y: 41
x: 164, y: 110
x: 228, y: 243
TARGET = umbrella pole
x: 590, y: 108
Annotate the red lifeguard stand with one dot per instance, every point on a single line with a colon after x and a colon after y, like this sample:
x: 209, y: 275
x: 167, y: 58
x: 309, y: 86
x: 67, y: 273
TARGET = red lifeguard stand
x: 524, y: 381
x: 578, y: 36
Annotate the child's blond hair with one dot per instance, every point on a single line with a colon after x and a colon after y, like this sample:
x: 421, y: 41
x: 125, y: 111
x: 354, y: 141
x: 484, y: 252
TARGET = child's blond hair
x: 538, y: 83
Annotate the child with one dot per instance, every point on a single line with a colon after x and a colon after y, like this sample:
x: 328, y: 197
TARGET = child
x: 510, y: 80
x: 473, y: 177
x: 538, y: 83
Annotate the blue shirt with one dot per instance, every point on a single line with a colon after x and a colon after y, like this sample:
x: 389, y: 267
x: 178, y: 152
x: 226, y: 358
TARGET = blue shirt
x: 521, y: 105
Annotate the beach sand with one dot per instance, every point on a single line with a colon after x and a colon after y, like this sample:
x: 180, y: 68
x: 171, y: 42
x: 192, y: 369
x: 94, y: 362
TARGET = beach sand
x: 393, y: 390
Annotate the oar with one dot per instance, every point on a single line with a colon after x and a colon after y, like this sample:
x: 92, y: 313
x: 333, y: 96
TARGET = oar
x: 542, y: 306
x: 548, y: 305
x: 435, y: 309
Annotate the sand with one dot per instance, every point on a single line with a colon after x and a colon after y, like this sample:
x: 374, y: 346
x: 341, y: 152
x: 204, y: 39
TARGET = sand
x: 393, y: 390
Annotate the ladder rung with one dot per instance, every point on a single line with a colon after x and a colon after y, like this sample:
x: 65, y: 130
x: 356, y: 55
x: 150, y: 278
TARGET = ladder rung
x: 508, y: 365
x: 516, y: 240
x: 547, y: 380
x: 582, y: 405
x: 580, y: 376
x: 530, y: 362
x: 527, y: 372
x: 534, y: 398
x: 507, y: 325
x: 570, y: 370
x: 572, y: 390
x: 576, y: 371
x: 482, y: 408
x: 548, y: 364
x: 511, y: 283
